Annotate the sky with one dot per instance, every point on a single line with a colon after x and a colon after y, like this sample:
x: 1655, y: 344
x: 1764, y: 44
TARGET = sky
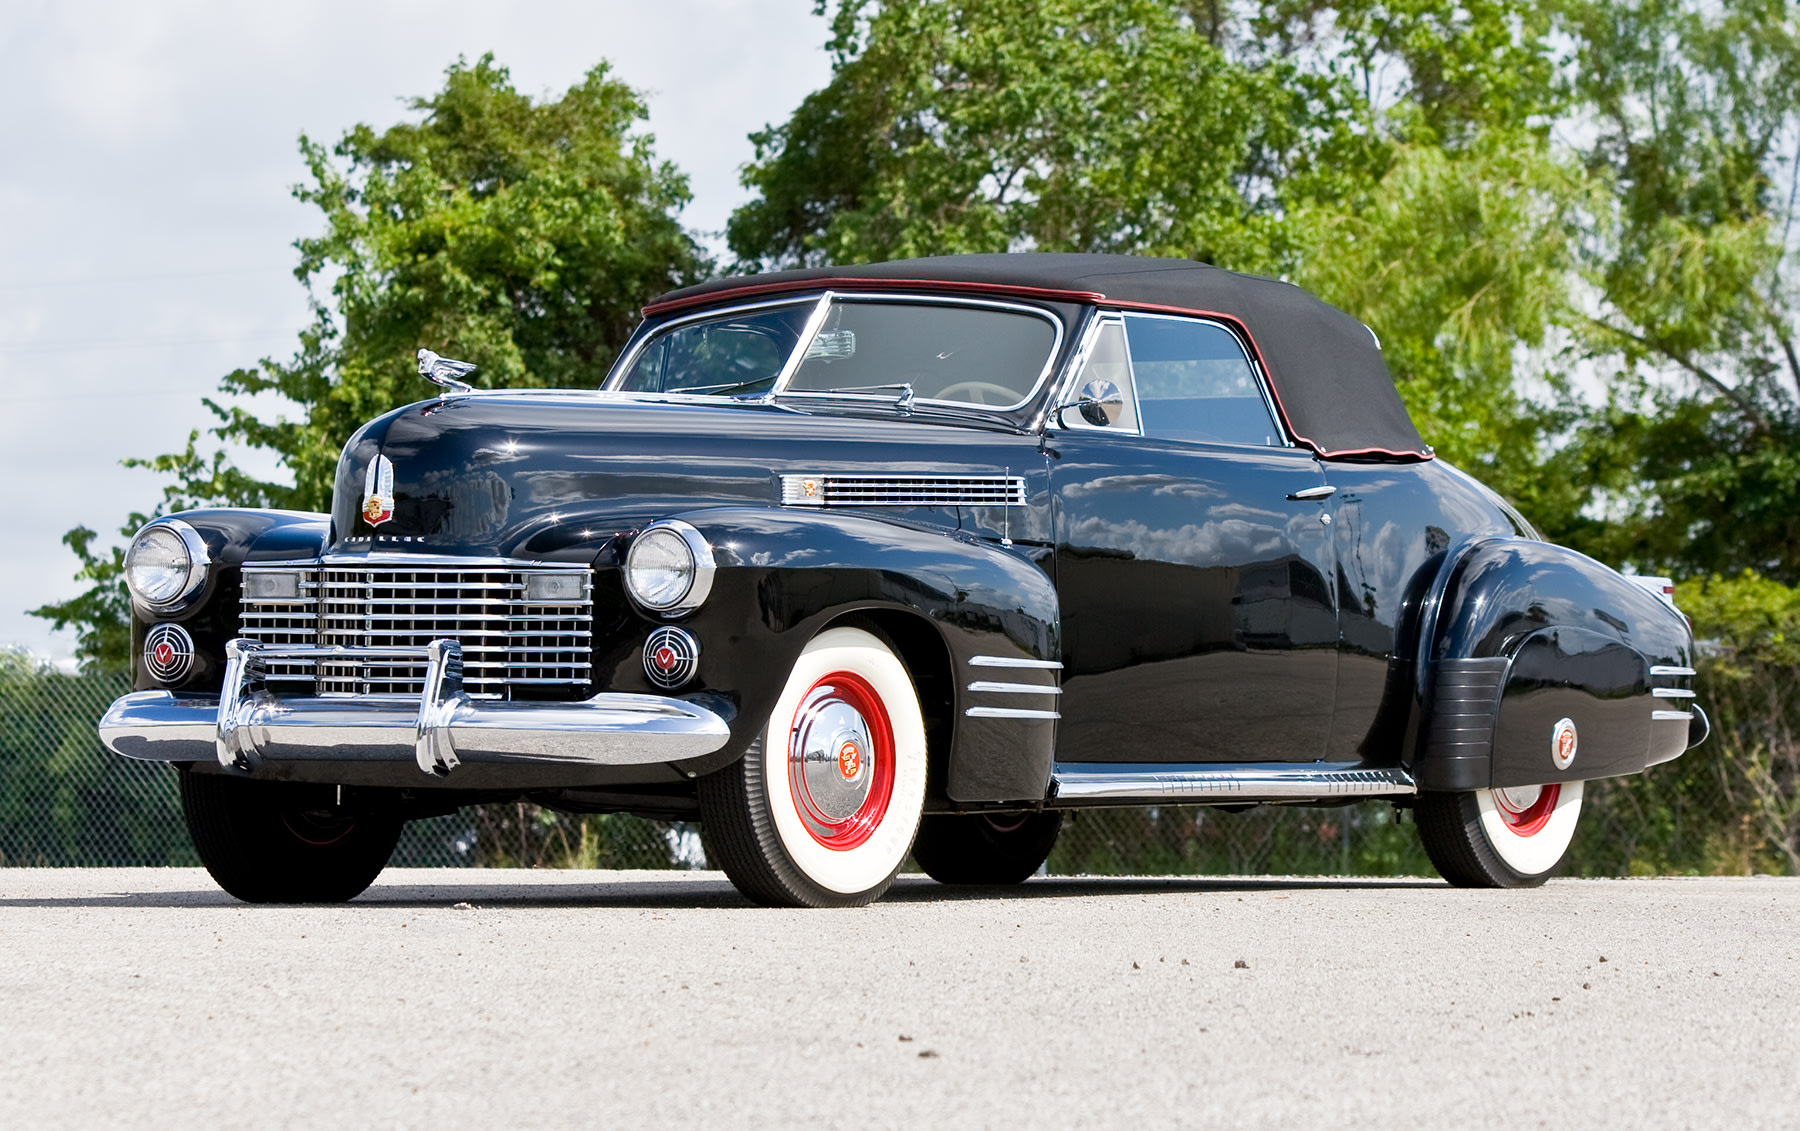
x: 146, y: 223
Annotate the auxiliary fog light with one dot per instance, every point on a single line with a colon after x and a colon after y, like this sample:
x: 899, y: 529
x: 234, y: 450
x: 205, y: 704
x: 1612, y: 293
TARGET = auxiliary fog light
x: 669, y: 568
x: 556, y: 588
x: 166, y: 562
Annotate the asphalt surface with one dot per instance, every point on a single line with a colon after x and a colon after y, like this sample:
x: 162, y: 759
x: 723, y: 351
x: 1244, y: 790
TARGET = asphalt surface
x: 495, y: 999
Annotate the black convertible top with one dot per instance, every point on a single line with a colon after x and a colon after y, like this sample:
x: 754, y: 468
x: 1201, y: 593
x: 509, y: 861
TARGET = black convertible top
x: 1329, y: 379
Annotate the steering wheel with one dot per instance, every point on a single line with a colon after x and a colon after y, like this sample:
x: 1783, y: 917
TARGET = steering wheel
x: 976, y: 392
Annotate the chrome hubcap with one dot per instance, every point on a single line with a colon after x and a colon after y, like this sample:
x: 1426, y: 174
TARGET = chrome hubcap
x: 829, y: 761
x: 1519, y: 798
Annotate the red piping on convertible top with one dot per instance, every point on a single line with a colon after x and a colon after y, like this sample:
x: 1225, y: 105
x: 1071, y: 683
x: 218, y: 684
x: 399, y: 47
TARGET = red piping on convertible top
x: 1046, y: 294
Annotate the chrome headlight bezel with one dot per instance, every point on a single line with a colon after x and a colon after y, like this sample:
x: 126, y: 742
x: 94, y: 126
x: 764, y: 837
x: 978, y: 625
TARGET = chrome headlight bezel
x: 669, y: 601
x: 198, y: 562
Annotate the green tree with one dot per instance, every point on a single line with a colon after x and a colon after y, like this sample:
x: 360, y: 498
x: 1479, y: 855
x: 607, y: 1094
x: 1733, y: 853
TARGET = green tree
x: 1692, y: 112
x: 521, y: 235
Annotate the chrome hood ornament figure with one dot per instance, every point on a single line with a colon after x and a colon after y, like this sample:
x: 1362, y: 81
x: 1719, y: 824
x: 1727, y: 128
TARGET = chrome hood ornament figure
x: 443, y: 371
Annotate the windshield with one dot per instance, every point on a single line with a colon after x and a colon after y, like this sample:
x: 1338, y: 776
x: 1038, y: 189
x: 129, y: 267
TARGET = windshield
x: 731, y: 355
x: 990, y: 357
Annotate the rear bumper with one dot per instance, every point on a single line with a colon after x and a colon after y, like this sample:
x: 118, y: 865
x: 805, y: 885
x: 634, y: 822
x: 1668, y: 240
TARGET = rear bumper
x: 245, y: 727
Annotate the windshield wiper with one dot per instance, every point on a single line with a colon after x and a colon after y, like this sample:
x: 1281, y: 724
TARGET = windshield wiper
x: 903, y: 402
x: 729, y: 386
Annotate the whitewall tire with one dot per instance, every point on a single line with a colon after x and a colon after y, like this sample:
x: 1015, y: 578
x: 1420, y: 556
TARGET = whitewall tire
x: 823, y: 808
x: 1500, y: 837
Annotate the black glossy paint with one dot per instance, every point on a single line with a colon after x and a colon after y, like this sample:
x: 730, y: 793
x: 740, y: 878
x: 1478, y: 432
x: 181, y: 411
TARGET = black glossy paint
x: 1201, y: 613
x: 1198, y: 621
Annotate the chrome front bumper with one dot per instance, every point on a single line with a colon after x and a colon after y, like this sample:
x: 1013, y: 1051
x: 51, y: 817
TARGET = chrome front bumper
x: 246, y: 725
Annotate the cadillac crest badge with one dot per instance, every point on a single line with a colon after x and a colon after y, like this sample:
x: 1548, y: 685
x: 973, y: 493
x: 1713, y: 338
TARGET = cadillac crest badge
x: 378, y: 491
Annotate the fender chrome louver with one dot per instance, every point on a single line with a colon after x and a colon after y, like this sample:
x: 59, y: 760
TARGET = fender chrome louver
x: 844, y: 490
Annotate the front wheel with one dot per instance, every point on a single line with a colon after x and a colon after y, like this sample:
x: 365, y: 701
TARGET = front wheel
x: 1499, y: 838
x: 277, y: 842
x: 822, y: 809
x: 985, y: 848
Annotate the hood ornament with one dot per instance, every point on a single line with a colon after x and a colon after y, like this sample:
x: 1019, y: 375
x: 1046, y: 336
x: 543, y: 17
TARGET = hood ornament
x: 443, y: 371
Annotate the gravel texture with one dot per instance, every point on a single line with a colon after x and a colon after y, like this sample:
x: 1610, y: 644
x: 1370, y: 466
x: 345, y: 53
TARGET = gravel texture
x: 478, y: 999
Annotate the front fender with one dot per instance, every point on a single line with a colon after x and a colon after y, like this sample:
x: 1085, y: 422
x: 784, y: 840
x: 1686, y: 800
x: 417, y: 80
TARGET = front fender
x: 233, y: 536
x: 783, y: 576
x: 1517, y: 635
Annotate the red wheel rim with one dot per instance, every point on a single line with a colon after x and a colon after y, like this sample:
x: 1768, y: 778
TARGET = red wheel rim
x: 1530, y: 818
x: 841, y: 760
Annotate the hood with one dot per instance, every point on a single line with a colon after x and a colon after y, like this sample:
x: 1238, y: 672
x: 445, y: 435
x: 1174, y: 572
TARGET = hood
x: 558, y: 475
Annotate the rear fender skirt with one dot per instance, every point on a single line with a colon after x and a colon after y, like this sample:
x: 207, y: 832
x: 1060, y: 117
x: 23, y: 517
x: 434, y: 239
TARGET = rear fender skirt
x: 784, y: 575
x: 1517, y: 636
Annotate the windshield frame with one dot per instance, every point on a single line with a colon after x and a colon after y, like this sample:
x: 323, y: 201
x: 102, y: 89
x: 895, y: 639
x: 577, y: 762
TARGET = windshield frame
x: 822, y: 303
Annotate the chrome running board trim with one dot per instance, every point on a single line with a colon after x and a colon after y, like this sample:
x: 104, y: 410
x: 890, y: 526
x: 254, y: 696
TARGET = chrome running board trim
x: 1106, y: 783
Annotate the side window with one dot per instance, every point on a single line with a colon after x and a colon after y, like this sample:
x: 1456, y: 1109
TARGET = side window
x: 1107, y: 365
x: 1195, y: 383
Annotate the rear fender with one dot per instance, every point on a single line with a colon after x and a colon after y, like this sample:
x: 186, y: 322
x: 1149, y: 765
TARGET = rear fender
x: 1517, y: 636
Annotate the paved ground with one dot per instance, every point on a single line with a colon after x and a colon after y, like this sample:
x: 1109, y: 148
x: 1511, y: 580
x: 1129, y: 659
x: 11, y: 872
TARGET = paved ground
x: 458, y: 999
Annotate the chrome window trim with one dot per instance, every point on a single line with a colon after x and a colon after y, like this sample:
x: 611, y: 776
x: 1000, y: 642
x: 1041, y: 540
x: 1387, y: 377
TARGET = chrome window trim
x: 1079, y: 363
x: 1104, y: 315
x: 1256, y: 374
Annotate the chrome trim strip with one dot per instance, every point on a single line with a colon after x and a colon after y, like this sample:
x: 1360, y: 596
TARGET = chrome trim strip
x: 1671, y: 716
x: 1098, y: 783
x: 1671, y: 693
x: 1670, y: 669
x: 983, y: 685
x: 1010, y: 662
x: 845, y: 489
x: 1008, y: 713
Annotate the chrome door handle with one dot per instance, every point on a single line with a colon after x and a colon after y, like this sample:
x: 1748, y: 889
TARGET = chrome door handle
x: 1320, y: 492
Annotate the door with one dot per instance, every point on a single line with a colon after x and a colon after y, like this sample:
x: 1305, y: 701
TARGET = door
x: 1193, y: 552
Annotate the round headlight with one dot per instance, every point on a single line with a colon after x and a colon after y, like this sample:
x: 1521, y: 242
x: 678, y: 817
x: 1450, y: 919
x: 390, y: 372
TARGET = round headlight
x: 166, y: 562
x: 669, y: 568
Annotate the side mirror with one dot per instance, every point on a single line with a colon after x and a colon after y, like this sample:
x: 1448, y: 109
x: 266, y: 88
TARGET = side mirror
x: 1100, y: 404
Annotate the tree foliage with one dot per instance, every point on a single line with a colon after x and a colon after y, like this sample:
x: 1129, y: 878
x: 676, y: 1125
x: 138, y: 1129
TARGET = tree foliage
x: 522, y: 235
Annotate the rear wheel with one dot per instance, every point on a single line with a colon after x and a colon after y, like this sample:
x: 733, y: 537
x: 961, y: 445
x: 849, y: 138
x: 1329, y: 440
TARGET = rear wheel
x: 277, y: 842
x: 1499, y: 838
x: 984, y: 848
x: 822, y: 809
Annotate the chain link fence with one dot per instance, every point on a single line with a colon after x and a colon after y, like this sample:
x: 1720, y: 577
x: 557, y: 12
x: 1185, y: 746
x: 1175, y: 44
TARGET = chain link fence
x: 1731, y: 806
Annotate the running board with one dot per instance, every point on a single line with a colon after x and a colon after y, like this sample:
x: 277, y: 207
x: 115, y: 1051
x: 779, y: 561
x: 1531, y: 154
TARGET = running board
x: 1114, y: 783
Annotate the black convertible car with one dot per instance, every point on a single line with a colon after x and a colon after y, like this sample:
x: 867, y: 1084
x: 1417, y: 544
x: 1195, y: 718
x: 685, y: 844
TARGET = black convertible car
x: 855, y: 562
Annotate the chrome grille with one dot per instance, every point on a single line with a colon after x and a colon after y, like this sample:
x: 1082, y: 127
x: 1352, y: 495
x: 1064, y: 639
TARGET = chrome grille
x: 839, y: 490
x: 507, y: 643
x: 290, y: 621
